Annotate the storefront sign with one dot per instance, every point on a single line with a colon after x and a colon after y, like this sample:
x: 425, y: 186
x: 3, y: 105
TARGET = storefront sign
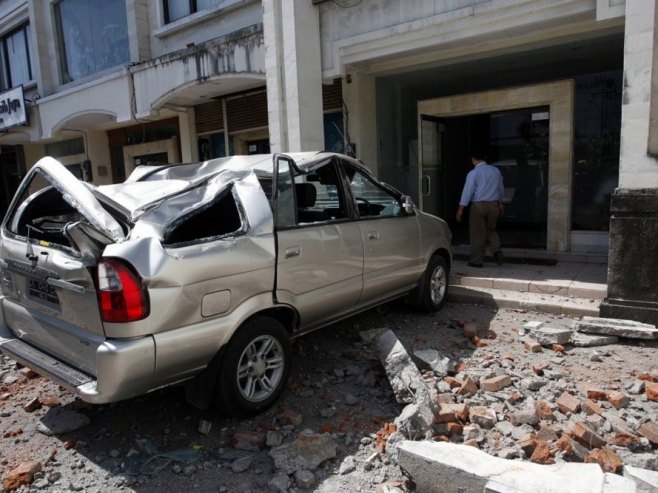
x: 12, y: 108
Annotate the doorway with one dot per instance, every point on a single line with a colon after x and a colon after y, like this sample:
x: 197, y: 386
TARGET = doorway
x: 517, y: 143
x: 529, y: 132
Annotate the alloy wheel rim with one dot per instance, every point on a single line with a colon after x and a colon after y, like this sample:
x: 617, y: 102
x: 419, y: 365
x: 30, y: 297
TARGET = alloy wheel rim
x: 260, y: 368
x: 438, y: 284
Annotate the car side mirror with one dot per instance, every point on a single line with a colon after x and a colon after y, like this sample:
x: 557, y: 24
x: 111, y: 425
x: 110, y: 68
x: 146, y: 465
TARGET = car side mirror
x: 408, y: 205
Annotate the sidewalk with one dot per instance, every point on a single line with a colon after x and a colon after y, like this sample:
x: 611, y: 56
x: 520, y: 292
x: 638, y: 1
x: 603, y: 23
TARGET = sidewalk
x: 568, y: 287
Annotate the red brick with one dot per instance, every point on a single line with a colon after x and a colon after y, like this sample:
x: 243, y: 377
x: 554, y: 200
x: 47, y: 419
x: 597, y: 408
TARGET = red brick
x: 558, y: 348
x: 469, y: 387
x: 483, y: 416
x: 472, y: 443
x: 471, y: 329
x: 291, y: 417
x: 22, y: 475
x: 455, y: 429
x: 651, y: 390
x: 606, y: 458
x: 586, y: 436
x: 542, y: 454
x: 571, y: 449
x: 567, y: 403
x: 532, y: 346
x: 618, y: 399
x: 515, y: 396
x: 591, y: 407
x: 528, y: 445
x: 539, y: 368
x: 543, y: 410
x: 495, y: 384
x: 452, y: 382
x: 625, y: 440
x: 596, y: 394
x: 445, y: 398
x: 451, y: 413
x: 650, y: 431
x: 50, y: 401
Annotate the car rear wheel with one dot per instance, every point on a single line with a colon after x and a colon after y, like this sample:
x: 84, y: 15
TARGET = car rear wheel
x: 435, y: 284
x: 255, y: 367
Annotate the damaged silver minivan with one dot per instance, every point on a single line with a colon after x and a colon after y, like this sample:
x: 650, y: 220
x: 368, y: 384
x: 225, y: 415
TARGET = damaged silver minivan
x: 204, y: 272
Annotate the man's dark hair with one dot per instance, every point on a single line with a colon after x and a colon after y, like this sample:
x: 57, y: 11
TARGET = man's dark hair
x: 479, y: 154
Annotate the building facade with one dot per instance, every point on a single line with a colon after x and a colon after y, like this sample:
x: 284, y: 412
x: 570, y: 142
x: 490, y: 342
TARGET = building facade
x: 561, y: 92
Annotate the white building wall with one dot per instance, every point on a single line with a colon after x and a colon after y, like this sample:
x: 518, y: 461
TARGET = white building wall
x: 228, y: 17
x: 637, y: 169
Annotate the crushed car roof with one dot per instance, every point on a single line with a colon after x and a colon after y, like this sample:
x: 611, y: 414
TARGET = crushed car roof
x: 149, y: 185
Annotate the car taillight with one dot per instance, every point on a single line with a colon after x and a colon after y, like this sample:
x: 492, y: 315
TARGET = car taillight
x: 121, y: 297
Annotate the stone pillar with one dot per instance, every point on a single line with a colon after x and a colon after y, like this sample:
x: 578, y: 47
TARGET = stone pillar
x: 359, y: 95
x: 633, y: 254
x: 98, y: 150
x: 294, y: 75
x: 189, y: 148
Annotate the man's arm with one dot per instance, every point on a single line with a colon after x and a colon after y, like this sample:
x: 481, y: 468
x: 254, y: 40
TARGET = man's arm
x: 467, y: 193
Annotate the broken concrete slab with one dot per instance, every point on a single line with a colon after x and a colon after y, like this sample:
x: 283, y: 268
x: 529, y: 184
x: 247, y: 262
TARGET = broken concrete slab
x: 547, y: 336
x: 645, y: 480
x: 307, y: 452
x: 580, y: 339
x: 415, y: 421
x: 616, y: 327
x: 451, y: 468
x: 404, y: 376
x: 433, y: 360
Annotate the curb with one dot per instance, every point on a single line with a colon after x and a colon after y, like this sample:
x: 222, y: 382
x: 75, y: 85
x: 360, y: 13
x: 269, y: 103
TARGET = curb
x: 507, y: 299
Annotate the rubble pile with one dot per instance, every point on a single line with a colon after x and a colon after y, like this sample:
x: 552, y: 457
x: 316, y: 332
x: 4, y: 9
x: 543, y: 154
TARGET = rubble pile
x: 526, y: 406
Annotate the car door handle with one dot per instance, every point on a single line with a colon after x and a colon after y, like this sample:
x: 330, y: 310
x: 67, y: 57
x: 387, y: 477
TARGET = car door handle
x: 373, y: 235
x: 293, y: 252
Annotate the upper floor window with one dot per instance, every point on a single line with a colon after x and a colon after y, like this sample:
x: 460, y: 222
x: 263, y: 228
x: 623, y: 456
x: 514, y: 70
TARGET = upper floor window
x: 15, y: 58
x: 177, y: 9
x: 93, y: 36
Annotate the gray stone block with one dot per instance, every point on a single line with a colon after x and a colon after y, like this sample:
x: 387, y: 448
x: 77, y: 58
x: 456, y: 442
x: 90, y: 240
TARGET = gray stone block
x: 616, y: 327
x: 579, y: 339
x: 403, y: 375
x: 547, y: 336
x: 645, y: 480
x: 433, y: 360
x: 451, y: 468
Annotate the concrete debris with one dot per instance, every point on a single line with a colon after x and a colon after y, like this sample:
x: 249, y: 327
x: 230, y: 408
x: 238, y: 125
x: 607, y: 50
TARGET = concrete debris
x: 369, y: 336
x: 579, y: 339
x: 204, y: 427
x: 645, y: 480
x: 415, y: 421
x: 403, y: 375
x: 304, y: 479
x: 547, y: 336
x: 616, y: 327
x: 452, y: 468
x: 59, y: 420
x: 279, y: 483
x: 433, y: 360
x: 532, y: 325
x: 308, y: 451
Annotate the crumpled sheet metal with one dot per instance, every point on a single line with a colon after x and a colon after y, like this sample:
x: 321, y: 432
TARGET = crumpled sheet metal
x: 78, y: 195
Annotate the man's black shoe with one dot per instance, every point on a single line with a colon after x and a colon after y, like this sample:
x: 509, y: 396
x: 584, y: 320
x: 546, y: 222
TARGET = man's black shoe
x: 499, y: 257
x: 473, y: 264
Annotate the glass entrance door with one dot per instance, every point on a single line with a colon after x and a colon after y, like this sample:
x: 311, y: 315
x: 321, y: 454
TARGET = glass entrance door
x: 517, y: 143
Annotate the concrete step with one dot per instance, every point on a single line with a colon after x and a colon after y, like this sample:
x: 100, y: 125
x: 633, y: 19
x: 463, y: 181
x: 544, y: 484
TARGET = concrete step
x: 558, y: 287
x: 537, y: 302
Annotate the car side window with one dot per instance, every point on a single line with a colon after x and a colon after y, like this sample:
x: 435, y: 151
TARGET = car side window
x: 371, y: 199
x: 319, y: 196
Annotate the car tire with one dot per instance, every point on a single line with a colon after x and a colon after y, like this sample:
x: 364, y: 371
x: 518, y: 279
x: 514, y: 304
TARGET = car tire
x: 255, y: 367
x: 434, y: 286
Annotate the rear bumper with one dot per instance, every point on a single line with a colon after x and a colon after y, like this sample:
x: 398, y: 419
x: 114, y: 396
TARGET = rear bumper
x: 124, y: 368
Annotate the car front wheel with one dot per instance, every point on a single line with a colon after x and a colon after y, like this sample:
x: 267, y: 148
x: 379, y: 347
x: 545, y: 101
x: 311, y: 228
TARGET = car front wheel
x: 255, y: 367
x: 435, y: 284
